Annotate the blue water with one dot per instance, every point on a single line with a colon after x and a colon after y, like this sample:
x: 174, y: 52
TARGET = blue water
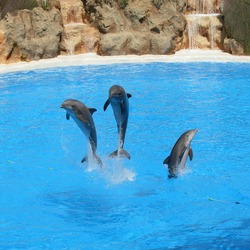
x: 49, y: 200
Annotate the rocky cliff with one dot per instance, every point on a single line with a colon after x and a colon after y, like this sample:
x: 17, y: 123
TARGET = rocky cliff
x: 35, y: 29
x: 28, y: 35
x: 108, y: 27
x: 237, y: 26
x: 142, y: 27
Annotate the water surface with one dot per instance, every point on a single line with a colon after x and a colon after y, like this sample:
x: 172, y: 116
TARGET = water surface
x: 49, y: 200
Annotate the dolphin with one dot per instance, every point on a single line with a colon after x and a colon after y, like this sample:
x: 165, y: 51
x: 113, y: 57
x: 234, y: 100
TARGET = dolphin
x: 82, y: 115
x: 182, y: 149
x: 120, y: 104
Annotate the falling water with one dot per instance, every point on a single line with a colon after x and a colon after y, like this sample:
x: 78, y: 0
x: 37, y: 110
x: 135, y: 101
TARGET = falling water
x: 203, y: 7
x: 70, y: 46
x: 200, y: 24
x: 89, y: 43
x: 212, y: 31
x: 193, y: 30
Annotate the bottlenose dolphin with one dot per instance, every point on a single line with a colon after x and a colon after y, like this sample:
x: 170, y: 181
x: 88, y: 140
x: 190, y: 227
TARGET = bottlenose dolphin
x: 82, y: 115
x: 120, y: 104
x: 182, y: 149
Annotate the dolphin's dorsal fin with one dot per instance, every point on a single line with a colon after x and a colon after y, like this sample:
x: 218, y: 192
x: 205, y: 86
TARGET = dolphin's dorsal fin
x: 167, y: 161
x: 92, y: 110
x: 190, y: 154
x: 106, y: 105
x: 67, y: 116
x: 129, y: 95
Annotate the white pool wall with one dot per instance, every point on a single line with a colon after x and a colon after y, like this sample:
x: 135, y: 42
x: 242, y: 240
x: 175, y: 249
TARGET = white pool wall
x: 181, y: 56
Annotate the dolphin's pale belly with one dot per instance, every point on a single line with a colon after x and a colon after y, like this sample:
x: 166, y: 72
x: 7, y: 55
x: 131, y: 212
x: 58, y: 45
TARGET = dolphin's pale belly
x: 119, y: 116
x: 85, y: 128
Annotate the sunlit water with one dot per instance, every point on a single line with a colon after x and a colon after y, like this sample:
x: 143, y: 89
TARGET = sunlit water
x: 49, y: 200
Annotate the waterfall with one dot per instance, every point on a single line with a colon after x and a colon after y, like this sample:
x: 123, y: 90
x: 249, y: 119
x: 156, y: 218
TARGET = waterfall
x: 70, y: 46
x: 204, y: 24
x: 89, y: 43
x: 203, y: 6
x: 192, y: 33
x: 212, y: 30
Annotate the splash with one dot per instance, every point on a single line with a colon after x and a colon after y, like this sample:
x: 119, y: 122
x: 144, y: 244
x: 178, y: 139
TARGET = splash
x: 113, y: 171
x: 184, y: 171
x: 92, y: 162
x: 116, y: 173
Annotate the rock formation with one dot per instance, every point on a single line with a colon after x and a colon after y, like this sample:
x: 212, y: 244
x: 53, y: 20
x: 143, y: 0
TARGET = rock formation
x: 142, y: 27
x: 203, y: 6
x: 108, y: 27
x: 237, y: 26
x: 78, y: 36
x: 118, y: 27
x: 30, y: 35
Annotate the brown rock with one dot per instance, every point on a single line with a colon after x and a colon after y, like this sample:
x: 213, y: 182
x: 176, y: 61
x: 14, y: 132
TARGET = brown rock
x: 236, y: 22
x: 79, y: 38
x: 31, y: 35
x: 233, y: 47
x: 72, y: 11
x: 142, y: 28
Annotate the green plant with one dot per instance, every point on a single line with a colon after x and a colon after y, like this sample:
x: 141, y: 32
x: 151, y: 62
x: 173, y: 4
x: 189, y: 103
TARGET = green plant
x: 123, y: 3
x: 45, y: 4
x: 158, y: 3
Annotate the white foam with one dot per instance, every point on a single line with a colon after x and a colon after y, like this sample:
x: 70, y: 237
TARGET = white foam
x: 204, y: 15
x: 116, y: 173
x: 181, y: 56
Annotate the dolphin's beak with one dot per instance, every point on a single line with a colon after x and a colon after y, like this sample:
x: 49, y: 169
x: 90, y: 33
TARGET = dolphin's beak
x: 63, y: 106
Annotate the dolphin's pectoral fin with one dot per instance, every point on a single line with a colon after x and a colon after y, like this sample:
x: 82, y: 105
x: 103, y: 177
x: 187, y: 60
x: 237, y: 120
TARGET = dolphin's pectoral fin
x: 92, y: 110
x: 85, y: 158
x: 67, y: 116
x: 167, y: 161
x: 129, y: 95
x: 120, y: 153
x: 106, y: 104
x: 190, y: 154
x: 182, y: 153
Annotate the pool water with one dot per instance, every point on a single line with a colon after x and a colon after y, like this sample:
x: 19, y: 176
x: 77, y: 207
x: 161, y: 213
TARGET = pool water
x: 49, y: 200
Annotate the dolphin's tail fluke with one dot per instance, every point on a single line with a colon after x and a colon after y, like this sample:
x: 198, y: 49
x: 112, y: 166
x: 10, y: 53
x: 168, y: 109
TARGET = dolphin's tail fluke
x: 97, y: 158
x: 120, y: 153
x: 172, y: 175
